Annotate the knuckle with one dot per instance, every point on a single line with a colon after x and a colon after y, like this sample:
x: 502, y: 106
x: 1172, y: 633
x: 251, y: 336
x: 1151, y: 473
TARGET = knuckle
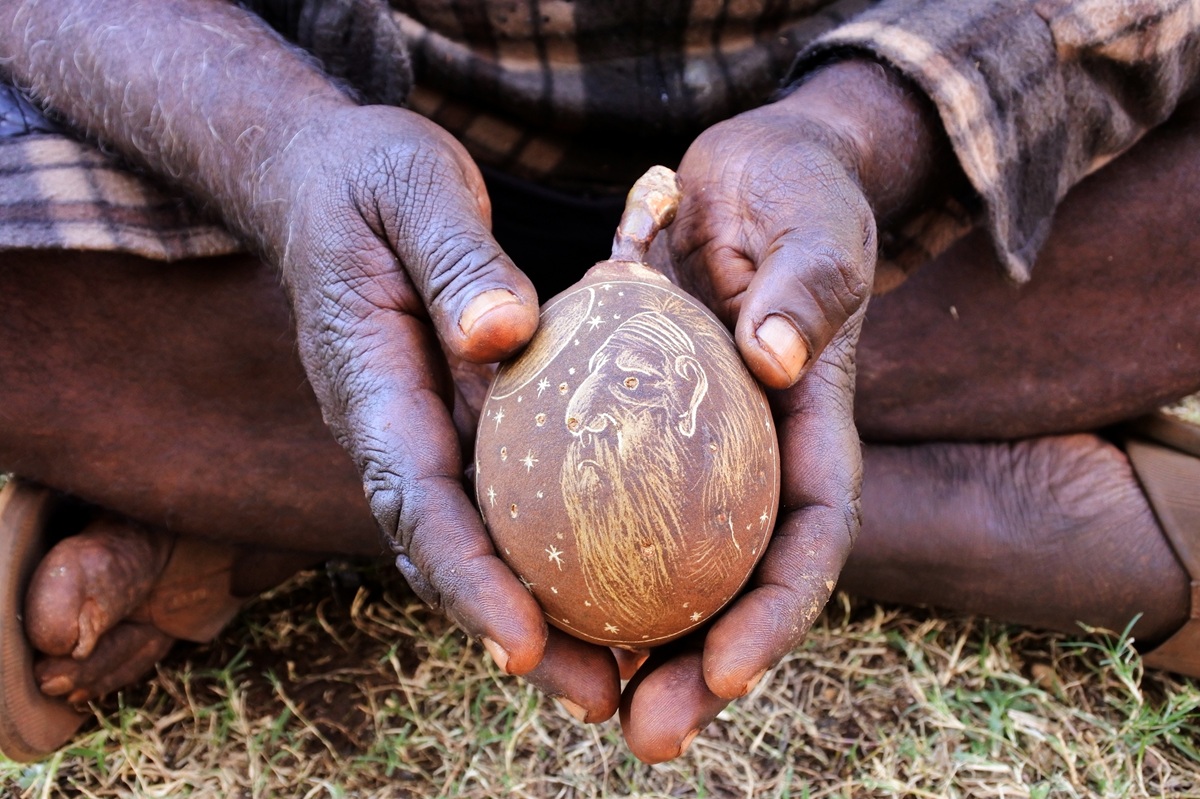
x: 416, y: 580
x: 458, y: 264
x: 385, y: 490
x: 840, y: 278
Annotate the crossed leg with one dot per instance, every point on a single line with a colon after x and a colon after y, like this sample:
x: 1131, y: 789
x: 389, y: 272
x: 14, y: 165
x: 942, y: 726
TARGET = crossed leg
x: 171, y: 395
x: 1049, y: 530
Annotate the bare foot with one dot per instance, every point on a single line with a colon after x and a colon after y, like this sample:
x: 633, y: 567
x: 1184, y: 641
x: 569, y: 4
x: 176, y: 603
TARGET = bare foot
x: 1047, y: 532
x: 105, y: 605
x: 90, y: 582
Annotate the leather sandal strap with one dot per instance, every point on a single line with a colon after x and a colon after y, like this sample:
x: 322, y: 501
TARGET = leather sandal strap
x: 1171, y: 480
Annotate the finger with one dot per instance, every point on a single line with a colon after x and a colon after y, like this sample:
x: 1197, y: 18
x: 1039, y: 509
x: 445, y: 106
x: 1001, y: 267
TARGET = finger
x: 440, y: 544
x: 666, y: 705
x: 629, y: 661
x: 438, y: 219
x: 808, y: 282
x: 384, y: 386
x: 583, y: 677
x: 822, y: 466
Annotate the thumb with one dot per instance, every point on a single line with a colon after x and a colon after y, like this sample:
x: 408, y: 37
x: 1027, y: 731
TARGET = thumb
x: 482, y: 306
x: 804, y: 289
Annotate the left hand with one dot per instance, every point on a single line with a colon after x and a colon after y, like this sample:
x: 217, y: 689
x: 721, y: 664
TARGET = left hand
x: 777, y: 233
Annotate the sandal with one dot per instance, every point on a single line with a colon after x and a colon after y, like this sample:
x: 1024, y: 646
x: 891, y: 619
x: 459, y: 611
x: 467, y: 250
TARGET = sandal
x: 193, y: 599
x: 32, y: 725
x: 1166, y: 459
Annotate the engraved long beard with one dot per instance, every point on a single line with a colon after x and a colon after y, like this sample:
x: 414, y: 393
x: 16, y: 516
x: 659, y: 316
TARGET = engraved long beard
x: 627, y: 523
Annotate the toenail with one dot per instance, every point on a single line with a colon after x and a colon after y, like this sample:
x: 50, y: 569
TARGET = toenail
x: 56, y: 686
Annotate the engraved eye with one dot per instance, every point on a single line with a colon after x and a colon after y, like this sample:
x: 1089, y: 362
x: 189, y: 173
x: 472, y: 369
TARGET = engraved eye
x: 631, y: 382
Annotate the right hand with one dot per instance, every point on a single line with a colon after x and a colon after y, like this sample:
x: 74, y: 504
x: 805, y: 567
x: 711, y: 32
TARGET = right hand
x: 387, y: 251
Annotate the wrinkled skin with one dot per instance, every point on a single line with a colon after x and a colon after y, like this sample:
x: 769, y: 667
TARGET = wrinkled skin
x: 381, y: 239
x: 377, y: 266
x: 776, y: 231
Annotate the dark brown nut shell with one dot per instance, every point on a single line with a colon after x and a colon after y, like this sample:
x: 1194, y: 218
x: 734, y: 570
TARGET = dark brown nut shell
x: 626, y: 463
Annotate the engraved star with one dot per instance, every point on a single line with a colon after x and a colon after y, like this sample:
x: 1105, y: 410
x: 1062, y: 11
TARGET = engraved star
x: 611, y: 628
x: 763, y: 519
x: 528, y: 585
x: 529, y: 460
x: 542, y: 385
x: 607, y: 287
x: 491, y: 495
x: 499, y: 417
x: 695, y: 616
x: 555, y: 555
x: 595, y: 322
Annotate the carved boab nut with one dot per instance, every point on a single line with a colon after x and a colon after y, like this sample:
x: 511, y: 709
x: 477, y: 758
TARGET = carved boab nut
x: 626, y: 463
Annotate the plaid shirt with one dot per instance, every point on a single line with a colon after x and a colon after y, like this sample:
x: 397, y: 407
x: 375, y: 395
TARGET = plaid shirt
x: 584, y: 95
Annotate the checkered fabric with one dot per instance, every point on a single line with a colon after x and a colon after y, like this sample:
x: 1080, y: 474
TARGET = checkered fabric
x: 1034, y: 95
x: 57, y: 192
x: 584, y: 95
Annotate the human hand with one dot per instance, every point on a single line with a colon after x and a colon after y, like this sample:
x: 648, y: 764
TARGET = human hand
x: 388, y: 259
x: 777, y: 232
x: 378, y: 222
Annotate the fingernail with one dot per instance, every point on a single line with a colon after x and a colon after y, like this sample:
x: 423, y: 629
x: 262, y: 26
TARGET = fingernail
x: 483, y: 305
x: 575, y: 710
x: 687, y: 741
x: 497, y: 652
x: 753, y: 681
x: 783, y: 343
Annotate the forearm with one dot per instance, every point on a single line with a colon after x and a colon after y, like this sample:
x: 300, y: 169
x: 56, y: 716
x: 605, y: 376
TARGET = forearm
x: 197, y: 91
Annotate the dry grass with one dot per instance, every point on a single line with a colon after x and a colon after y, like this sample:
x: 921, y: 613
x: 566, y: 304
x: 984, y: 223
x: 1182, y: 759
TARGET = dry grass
x: 1187, y: 409
x: 346, y: 686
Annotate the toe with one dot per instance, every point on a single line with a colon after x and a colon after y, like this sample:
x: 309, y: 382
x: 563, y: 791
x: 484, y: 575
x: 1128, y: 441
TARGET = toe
x: 121, y: 656
x: 90, y: 582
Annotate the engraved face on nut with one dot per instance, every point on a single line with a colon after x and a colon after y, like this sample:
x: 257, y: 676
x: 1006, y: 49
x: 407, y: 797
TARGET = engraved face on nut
x: 655, y: 492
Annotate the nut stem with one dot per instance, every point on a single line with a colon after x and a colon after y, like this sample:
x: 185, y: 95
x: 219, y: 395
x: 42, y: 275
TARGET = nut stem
x: 649, y: 207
